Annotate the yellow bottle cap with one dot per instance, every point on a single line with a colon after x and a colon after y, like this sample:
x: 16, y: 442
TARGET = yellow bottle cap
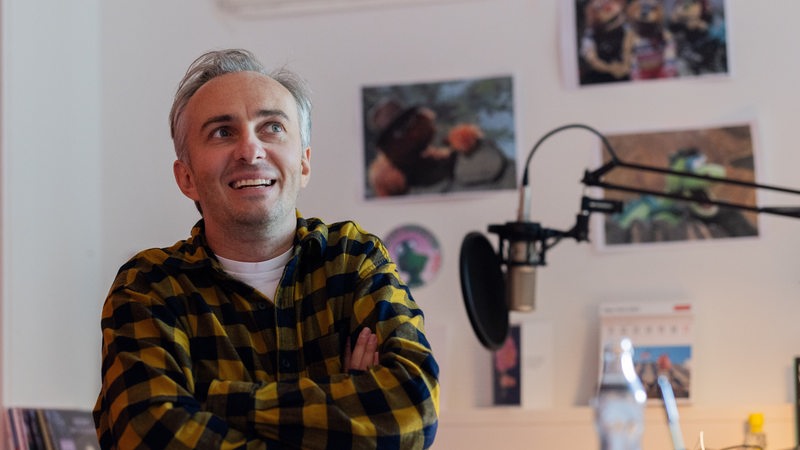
x: 756, y: 422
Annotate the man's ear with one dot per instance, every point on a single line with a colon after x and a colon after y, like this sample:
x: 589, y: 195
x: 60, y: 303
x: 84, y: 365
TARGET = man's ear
x: 185, y: 179
x: 305, y: 166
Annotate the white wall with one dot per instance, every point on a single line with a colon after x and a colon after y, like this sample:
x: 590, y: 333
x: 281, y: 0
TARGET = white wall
x: 52, y: 211
x: 91, y: 157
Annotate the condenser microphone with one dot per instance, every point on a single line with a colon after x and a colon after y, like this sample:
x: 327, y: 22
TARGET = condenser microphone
x: 521, y: 276
x: 521, y: 261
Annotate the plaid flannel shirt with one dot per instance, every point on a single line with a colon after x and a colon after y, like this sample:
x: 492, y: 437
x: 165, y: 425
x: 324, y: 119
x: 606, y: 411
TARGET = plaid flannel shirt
x: 193, y: 358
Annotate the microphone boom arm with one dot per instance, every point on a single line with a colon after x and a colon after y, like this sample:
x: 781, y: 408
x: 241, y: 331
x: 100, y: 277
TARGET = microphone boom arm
x: 594, y: 178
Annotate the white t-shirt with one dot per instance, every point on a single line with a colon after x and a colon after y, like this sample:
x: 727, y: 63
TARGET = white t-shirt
x: 262, y: 275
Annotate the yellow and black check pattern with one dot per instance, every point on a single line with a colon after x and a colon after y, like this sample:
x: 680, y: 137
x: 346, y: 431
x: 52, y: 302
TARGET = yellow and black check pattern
x: 194, y: 359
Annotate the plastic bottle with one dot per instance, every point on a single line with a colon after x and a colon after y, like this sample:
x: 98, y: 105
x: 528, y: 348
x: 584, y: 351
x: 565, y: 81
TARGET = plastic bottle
x: 619, y: 405
x: 755, y: 434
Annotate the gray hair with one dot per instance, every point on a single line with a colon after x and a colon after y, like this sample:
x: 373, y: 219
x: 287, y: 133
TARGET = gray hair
x: 220, y: 62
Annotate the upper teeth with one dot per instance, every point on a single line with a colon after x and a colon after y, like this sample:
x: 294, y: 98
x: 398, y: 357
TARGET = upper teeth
x: 252, y: 182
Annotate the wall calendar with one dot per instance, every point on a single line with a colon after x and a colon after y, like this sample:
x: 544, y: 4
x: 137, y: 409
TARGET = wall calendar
x: 661, y: 333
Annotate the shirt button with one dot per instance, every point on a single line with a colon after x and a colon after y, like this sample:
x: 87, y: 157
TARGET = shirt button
x: 285, y: 363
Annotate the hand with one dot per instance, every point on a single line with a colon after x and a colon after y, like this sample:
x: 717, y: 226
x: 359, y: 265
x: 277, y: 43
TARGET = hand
x: 365, y: 352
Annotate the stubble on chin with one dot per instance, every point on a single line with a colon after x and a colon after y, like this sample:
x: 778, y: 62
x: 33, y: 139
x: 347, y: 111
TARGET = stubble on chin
x: 264, y: 222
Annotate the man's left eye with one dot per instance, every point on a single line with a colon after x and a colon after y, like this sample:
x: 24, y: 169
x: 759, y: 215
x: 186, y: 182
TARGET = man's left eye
x: 275, y: 127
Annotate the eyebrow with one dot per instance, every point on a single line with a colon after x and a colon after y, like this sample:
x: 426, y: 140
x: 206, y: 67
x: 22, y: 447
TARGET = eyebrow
x: 228, y: 117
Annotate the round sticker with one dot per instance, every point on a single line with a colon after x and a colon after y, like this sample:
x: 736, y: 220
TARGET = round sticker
x: 416, y: 252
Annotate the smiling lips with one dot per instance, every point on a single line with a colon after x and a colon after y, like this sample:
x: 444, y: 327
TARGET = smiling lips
x: 253, y: 182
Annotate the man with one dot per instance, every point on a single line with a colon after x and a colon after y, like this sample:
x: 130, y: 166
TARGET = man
x: 240, y: 335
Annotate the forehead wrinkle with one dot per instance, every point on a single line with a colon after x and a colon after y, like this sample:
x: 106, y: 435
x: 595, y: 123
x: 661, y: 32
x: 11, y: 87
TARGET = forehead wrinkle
x: 272, y: 113
x: 223, y: 118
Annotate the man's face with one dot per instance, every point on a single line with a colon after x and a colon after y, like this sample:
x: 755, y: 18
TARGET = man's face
x: 245, y: 162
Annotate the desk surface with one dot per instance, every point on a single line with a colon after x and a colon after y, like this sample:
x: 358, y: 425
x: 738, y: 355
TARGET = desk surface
x: 573, y: 428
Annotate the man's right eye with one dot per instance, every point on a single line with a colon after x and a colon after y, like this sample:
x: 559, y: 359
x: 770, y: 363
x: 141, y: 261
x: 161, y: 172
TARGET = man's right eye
x: 221, y: 133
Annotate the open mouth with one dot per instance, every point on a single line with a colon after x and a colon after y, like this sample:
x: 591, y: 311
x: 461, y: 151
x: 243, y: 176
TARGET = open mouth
x: 252, y: 183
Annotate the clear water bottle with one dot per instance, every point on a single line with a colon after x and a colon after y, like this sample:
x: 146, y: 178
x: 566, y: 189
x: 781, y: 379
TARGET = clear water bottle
x: 619, y: 405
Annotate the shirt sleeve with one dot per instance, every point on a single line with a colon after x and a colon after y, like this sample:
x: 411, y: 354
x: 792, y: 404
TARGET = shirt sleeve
x: 147, y: 398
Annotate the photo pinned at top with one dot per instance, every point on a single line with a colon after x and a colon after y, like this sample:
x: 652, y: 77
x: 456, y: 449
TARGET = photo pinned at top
x: 618, y: 41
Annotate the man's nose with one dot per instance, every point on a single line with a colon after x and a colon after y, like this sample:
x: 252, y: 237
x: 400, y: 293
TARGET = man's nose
x: 250, y: 148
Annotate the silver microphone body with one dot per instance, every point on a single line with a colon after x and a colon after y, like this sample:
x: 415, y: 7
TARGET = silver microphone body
x: 521, y: 277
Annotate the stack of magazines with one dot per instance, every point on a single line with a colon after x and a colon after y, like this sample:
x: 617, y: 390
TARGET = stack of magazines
x: 49, y: 429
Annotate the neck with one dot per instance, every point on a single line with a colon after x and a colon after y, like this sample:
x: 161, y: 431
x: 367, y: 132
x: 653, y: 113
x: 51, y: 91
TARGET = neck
x: 250, y: 243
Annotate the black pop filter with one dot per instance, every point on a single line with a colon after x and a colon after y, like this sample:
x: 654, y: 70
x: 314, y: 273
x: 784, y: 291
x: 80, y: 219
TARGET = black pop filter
x: 484, y: 290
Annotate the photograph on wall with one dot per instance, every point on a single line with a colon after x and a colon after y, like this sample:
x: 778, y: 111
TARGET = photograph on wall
x: 416, y: 252
x: 439, y: 138
x: 675, y: 361
x: 722, y: 152
x: 611, y: 41
x: 506, y: 373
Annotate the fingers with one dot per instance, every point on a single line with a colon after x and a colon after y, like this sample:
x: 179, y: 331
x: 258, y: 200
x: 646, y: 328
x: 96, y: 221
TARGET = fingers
x: 366, y: 343
x: 364, y: 353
